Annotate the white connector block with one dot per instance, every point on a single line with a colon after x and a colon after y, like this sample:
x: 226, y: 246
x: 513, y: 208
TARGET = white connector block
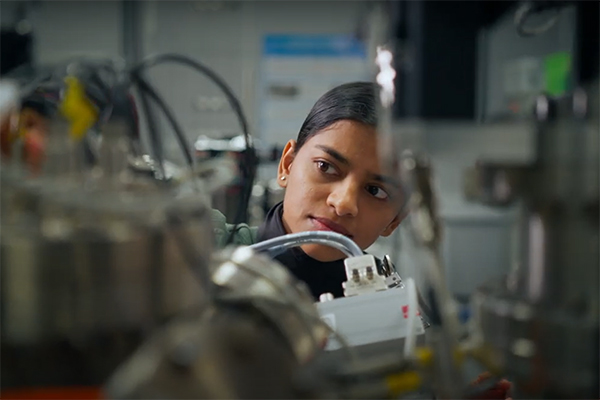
x: 362, y: 276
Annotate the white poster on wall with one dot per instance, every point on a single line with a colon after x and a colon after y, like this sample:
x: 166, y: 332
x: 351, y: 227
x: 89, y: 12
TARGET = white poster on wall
x: 296, y: 71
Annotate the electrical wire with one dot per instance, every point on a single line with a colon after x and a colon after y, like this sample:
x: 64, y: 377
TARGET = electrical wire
x: 97, y: 88
x: 148, y: 95
x: 29, y: 89
x: 180, y: 59
x: 249, y: 164
x: 155, y: 138
x: 70, y: 67
x: 184, y: 145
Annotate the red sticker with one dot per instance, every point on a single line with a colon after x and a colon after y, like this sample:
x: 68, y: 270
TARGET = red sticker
x: 405, y: 312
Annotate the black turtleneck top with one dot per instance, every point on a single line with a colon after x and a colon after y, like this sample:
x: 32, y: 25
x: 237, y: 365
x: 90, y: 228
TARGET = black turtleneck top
x: 321, y: 277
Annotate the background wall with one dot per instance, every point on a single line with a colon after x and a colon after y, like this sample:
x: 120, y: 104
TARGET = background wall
x: 66, y: 29
x: 235, y: 52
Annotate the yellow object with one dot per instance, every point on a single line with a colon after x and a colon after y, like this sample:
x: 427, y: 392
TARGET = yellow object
x: 77, y: 109
x: 424, y: 356
x: 403, y: 382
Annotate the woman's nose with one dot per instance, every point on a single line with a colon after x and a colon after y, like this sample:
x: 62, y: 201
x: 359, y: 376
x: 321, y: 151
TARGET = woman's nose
x: 344, y: 199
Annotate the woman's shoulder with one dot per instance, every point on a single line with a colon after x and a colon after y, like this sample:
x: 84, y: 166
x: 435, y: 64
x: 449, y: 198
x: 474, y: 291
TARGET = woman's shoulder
x: 243, y: 235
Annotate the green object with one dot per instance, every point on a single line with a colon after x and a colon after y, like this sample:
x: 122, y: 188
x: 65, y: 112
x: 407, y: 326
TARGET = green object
x: 557, y: 71
x: 244, y: 235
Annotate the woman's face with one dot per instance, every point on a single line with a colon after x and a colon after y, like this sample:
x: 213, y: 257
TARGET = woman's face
x: 335, y: 183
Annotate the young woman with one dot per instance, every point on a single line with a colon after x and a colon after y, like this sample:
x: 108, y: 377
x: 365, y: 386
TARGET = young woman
x: 333, y: 181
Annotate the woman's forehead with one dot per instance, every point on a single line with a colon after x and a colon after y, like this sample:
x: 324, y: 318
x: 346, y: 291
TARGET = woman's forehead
x: 356, y: 142
x: 348, y: 137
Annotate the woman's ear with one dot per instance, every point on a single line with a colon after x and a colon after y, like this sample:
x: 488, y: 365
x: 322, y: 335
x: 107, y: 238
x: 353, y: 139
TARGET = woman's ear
x: 394, y: 224
x: 285, y: 163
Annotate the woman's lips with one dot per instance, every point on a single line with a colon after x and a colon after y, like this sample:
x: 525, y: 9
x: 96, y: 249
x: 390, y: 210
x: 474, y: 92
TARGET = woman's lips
x: 324, y: 224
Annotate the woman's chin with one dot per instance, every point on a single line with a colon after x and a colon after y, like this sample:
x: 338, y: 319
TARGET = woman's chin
x: 322, y: 253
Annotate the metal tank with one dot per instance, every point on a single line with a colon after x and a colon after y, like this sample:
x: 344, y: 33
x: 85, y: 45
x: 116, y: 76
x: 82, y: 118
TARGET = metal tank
x: 92, y: 260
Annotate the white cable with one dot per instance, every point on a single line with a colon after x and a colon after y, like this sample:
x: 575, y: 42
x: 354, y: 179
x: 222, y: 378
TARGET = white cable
x: 332, y: 239
x: 413, y: 307
x: 276, y: 250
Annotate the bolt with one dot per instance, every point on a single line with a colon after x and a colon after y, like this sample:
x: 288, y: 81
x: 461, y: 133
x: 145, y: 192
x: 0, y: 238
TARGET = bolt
x: 325, y: 297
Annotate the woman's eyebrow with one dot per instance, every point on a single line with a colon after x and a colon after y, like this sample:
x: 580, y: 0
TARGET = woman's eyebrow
x: 335, y: 154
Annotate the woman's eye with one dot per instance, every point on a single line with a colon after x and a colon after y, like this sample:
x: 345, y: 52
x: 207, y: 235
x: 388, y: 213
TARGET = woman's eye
x: 377, y: 192
x: 325, y: 167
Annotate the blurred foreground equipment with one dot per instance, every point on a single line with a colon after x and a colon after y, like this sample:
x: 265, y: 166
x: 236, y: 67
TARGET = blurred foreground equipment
x: 91, y: 261
x: 542, y: 325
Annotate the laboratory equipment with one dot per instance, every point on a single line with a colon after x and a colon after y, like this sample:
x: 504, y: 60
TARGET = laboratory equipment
x: 91, y: 261
x: 542, y: 324
x: 109, y: 278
